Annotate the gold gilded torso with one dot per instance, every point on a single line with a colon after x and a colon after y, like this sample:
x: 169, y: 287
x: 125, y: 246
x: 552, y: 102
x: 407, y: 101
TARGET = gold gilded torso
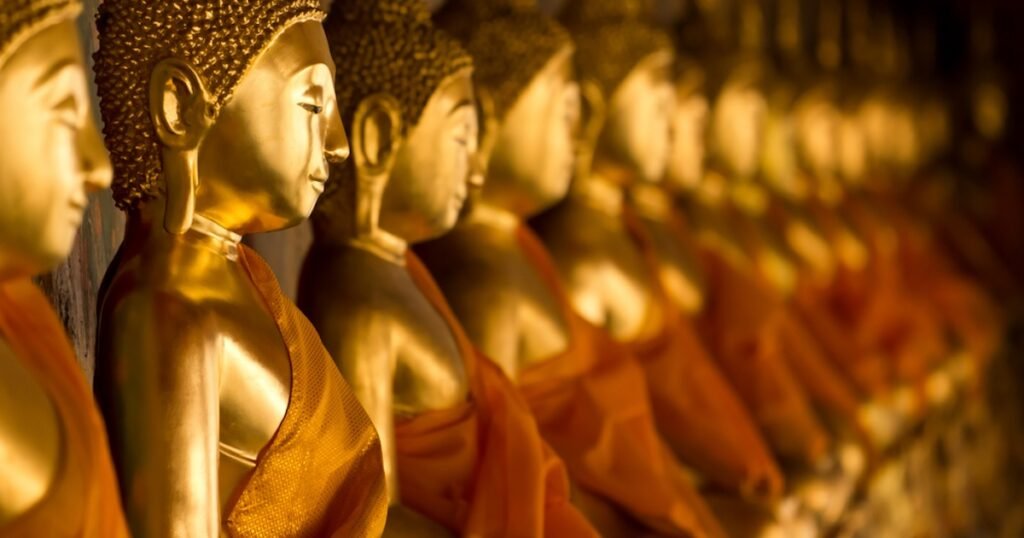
x: 606, y: 275
x: 30, y: 456
x: 504, y: 304
x: 368, y: 308
x: 191, y: 290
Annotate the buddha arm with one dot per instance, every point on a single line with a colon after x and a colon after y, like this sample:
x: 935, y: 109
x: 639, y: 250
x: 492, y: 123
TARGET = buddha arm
x: 165, y: 416
x: 362, y: 348
x: 585, y: 293
x: 488, y: 313
x: 360, y: 343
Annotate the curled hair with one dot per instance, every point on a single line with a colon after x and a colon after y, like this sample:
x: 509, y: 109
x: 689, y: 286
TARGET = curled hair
x: 220, y: 39
x: 612, y: 38
x: 382, y: 46
x: 21, y: 19
x: 510, y: 40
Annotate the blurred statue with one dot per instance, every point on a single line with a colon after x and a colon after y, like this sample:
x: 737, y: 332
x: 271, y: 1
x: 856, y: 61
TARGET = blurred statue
x: 462, y: 453
x: 57, y: 476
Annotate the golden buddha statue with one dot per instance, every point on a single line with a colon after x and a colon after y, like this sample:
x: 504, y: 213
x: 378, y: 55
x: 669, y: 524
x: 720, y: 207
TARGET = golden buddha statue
x: 587, y: 392
x: 226, y: 413
x: 56, y: 476
x: 462, y: 453
x: 612, y: 276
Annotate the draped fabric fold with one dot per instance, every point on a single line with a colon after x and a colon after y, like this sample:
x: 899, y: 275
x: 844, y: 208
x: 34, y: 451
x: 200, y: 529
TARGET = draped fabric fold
x: 882, y: 312
x: 869, y: 370
x: 592, y: 405
x: 483, y: 469
x: 745, y: 330
x: 322, y: 473
x: 84, y: 500
x: 964, y: 308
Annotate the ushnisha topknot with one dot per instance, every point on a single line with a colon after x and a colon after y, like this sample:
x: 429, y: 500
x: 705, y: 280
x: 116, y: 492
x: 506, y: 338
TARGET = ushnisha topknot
x: 21, y: 19
x: 510, y: 40
x: 612, y: 38
x: 382, y: 46
x: 221, y: 39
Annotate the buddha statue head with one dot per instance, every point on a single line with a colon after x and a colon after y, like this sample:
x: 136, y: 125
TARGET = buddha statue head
x: 816, y: 130
x: 689, y: 128
x: 524, y: 76
x: 407, y: 99
x: 624, y: 66
x: 736, y: 128
x: 51, y: 153
x: 851, y: 150
x: 223, y: 110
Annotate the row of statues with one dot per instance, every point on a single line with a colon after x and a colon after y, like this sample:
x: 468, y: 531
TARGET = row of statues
x: 570, y: 277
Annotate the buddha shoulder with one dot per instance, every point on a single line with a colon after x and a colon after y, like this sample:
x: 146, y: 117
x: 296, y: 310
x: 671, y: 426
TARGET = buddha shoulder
x: 351, y: 283
x: 472, y: 257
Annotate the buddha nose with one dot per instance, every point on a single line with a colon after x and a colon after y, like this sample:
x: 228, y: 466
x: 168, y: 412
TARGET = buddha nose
x: 336, y: 146
x: 96, y: 168
x: 477, y: 170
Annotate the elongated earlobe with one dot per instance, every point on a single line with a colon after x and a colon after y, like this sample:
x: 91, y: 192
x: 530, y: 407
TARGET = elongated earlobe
x: 593, y: 112
x: 376, y: 138
x: 182, y: 113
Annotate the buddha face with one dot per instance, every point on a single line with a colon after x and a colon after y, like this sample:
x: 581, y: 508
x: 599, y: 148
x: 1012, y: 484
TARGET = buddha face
x: 689, y: 127
x: 933, y: 126
x: 430, y: 178
x: 779, y: 156
x: 989, y: 109
x: 51, y: 154
x: 852, y: 148
x: 816, y: 134
x: 737, y: 128
x: 637, y: 132
x: 531, y: 165
x: 263, y: 164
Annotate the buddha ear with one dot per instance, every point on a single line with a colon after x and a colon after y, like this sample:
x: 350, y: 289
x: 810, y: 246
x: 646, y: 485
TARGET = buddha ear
x: 376, y: 134
x: 182, y: 113
x: 179, y: 105
x: 376, y: 139
x: 593, y: 111
x: 487, y: 116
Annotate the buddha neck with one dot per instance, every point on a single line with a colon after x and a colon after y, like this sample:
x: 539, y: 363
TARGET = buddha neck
x: 651, y: 201
x: 712, y: 191
x: 493, y: 216
x: 748, y: 197
x: 599, y: 192
x: 145, y: 227
x: 382, y: 244
x: 829, y: 190
x: 214, y: 236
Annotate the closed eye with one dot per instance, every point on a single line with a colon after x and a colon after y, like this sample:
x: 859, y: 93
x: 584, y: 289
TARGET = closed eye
x: 315, y: 109
x: 67, y: 112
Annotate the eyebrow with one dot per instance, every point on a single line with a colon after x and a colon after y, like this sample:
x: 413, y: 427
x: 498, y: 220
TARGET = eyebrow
x: 52, y: 72
x: 459, y: 105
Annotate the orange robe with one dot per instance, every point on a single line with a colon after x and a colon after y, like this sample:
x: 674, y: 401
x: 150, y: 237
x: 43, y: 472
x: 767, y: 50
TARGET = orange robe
x: 83, y: 500
x: 870, y: 371
x: 745, y: 329
x: 482, y: 468
x: 591, y: 403
x: 697, y: 409
x: 960, y: 304
x: 878, y: 307
x: 322, y: 474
